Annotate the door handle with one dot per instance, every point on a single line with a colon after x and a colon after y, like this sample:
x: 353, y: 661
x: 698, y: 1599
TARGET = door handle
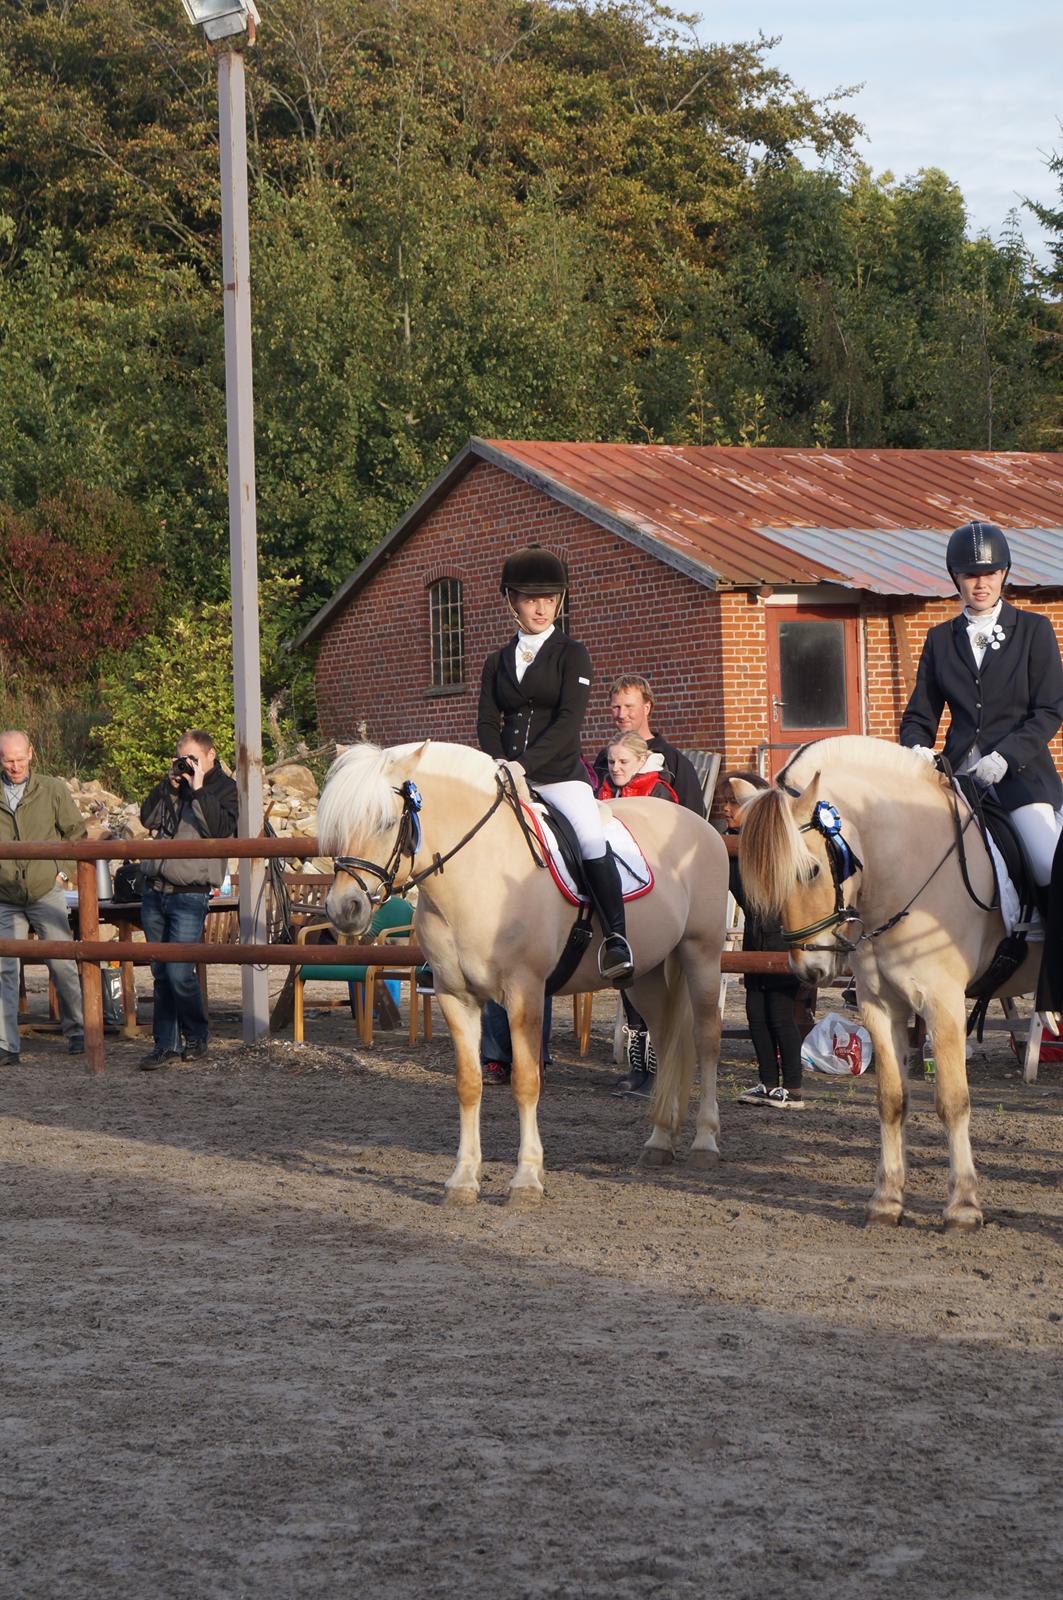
x: 776, y: 707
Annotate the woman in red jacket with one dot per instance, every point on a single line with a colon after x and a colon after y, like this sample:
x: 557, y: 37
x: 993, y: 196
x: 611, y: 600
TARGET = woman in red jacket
x: 634, y: 769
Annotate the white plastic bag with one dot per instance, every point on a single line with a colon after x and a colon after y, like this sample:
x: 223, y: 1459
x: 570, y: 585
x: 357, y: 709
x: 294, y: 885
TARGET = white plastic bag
x: 835, y: 1045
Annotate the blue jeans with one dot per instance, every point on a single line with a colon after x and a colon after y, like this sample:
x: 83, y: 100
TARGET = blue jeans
x: 495, y: 1041
x: 175, y: 919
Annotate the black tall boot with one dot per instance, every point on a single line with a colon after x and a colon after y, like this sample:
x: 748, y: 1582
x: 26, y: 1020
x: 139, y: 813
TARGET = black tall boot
x: 615, y: 961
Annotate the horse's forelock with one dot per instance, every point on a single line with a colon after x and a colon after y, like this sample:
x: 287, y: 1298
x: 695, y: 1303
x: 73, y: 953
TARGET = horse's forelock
x: 358, y: 798
x: 773, y: 857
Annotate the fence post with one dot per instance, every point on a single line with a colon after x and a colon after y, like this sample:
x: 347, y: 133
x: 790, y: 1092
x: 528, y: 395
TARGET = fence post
x: 91, y: 981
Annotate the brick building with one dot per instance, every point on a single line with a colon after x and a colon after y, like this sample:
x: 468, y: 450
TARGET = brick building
x: 770, y: 596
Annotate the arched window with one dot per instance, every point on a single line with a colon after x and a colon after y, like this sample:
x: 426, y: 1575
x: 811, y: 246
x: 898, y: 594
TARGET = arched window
x: 448, y: 633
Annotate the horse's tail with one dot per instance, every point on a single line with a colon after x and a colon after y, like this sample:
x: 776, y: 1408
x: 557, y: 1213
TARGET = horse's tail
x: 772, y: 856
x: 676, y: 1056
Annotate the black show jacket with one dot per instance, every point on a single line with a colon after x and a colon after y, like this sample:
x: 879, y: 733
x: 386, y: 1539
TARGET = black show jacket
x: 537, y: 721
x: 1013, y: 705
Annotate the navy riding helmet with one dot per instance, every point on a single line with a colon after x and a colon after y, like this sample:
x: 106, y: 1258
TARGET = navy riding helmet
x: 977, y: 547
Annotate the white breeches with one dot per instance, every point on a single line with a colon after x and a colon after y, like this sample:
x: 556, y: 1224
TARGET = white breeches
x: 1039, y: 827
x: 575, y: 800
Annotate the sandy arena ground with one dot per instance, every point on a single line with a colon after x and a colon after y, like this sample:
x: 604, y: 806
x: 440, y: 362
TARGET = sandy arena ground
x: 247, y: 1353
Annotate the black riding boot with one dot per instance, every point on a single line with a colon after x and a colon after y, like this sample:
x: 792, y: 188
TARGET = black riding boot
x: 615, y: 961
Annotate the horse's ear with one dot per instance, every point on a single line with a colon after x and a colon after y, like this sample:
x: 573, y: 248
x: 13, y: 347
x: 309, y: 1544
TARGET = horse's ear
x: 805, y: 803
x: 743, y: 791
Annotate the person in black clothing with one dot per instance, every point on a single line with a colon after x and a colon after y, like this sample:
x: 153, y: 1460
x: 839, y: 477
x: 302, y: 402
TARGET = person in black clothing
x: 999, y: 672
x: 630, y: 706
x: 196, y: 800
x: 533, y: 699
x: 770, y: 996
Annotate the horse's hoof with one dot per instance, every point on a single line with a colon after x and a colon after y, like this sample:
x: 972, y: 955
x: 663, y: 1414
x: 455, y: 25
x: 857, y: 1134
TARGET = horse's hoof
x: 884, y: 1214
x: 655, y: 1156
x: 460, y: 1197
x: 525, y: 1198
x: 703, y: 1160
x: 969, y: 1220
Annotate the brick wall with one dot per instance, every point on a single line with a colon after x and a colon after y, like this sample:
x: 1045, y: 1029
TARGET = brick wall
x: 632, y: 612
x: 704, y: 653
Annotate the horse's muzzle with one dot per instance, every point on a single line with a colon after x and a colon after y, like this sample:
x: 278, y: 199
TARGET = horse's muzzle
x: 348, y: 907
x: 815, y: 965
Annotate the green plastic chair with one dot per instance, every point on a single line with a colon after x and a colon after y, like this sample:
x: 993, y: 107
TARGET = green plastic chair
x: 392, y: 923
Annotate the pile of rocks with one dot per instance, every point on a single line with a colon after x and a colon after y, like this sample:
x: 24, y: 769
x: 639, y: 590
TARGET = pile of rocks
x: 290, y: 801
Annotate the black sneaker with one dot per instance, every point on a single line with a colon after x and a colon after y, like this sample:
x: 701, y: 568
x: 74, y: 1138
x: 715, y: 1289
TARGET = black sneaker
x: 781, y: 1099
x: 194, y: 1050
x: 158, y: 1058
x: 9, y: 1058
x: 75, y: 1044
x: 757, y: 1096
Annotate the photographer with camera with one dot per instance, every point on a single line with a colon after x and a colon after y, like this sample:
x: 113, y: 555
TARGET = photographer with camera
x: 196, y: 800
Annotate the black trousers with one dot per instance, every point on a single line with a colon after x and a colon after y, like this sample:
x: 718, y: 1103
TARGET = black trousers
x: 776, y: 1036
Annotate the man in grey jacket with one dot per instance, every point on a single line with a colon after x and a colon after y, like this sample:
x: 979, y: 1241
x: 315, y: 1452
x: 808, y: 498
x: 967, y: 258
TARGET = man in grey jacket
x: 196, y: 799
x: 34, y: 809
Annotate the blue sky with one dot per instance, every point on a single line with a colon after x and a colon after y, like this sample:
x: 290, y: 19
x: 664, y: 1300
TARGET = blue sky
x: 975, y: 88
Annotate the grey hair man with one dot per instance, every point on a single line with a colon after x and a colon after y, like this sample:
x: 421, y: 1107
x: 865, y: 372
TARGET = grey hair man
x: 35, y: 809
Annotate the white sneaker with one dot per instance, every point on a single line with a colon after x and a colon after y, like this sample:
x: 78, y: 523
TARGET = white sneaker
x: 757, y: 1096
x: 781, y: 1099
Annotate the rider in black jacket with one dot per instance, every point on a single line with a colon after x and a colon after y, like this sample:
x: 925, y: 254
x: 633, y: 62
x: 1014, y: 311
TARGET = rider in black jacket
x: 999, y: 672
x: 533, y: 699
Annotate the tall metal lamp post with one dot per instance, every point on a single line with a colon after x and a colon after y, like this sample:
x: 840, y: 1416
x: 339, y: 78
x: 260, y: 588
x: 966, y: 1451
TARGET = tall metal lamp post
x: 237, y: 20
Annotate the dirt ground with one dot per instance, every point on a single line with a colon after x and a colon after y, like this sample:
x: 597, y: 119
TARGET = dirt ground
x: 246, y: 1352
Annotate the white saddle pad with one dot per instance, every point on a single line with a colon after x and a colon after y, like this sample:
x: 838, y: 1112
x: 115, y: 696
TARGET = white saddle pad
x: 636, y: 876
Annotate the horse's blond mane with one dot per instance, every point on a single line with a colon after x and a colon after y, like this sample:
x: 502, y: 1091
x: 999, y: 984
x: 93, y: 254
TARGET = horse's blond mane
x: 852, y: 752
x: 774, y: 858
x: 358, y: 799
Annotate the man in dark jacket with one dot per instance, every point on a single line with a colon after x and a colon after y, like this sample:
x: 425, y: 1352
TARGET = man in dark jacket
x: 631, y: 706
x: 34, y: 809
x: 196, y: 799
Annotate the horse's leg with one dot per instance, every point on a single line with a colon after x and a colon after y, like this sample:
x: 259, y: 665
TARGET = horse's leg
x: 526, y: 1031
x: 953, y: 1103
x: 886, y: 1022
x: 650, y: 996
x: 701, y: 964
x: 462, y: 1015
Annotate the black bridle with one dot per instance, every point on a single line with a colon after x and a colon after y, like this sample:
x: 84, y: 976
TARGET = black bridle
x: 408, y: 842
x: 844, y: 863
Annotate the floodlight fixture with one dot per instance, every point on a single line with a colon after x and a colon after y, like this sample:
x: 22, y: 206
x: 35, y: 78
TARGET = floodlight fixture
x: 223, y: 19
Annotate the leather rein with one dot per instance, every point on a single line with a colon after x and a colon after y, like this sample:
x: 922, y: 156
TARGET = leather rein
x: 844, y: 863
x: 408, y: 842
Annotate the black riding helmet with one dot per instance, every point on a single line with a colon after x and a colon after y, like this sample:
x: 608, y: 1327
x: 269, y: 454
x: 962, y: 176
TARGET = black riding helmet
x: 977, y: 547
x: 534, y: 571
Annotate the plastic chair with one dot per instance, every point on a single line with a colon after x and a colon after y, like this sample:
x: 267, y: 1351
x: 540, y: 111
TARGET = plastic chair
x: 392, y: 923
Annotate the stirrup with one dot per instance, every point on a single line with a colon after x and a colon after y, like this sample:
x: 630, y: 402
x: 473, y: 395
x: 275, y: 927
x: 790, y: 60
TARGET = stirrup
x: 616, y: 966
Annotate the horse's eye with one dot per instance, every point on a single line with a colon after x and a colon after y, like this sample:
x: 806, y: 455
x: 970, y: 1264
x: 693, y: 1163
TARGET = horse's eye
x: 815, y: 869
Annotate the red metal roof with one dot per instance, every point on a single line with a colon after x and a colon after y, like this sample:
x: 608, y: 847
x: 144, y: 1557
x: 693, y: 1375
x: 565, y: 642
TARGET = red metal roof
x: 708, y: 503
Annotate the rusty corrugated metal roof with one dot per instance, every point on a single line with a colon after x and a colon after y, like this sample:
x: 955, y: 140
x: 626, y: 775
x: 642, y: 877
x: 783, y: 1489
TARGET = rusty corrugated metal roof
x: 732, y: 511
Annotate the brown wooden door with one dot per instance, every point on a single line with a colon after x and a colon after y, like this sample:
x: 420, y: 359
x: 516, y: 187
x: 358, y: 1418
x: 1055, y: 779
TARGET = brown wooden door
x: 813, y: 677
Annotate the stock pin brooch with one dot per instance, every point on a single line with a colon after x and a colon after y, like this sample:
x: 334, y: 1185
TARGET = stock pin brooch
x: 993, y: 639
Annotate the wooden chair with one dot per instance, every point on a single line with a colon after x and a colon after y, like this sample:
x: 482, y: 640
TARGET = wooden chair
x: 392, y: 923
x: 706, y: 764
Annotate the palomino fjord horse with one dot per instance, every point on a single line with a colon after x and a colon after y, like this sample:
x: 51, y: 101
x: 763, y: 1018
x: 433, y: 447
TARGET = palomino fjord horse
x: 492, y: 923
x: 856, y: 846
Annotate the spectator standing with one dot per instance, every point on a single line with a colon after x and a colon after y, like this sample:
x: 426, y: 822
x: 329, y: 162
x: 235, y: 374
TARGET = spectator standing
x: 196, y: 800
x: 631, y: 707
x: 770, y: 996
x: 35, y: 809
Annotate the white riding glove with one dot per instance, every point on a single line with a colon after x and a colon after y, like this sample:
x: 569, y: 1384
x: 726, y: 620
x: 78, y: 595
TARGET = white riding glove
x: 515, y: 769
x: 923, y: 752
x: 990, y: 769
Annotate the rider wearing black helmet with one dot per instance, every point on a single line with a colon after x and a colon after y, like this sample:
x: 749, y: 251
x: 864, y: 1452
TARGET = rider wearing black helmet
x: 533, y: 699
x: 998, y: 670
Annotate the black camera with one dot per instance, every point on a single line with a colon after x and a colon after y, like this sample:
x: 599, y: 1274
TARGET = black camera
x: 183, y: 766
